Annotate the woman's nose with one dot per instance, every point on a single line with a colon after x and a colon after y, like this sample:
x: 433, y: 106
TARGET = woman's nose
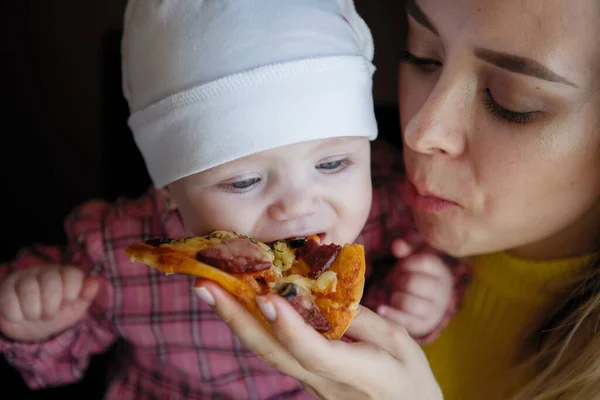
x: 440, y: 126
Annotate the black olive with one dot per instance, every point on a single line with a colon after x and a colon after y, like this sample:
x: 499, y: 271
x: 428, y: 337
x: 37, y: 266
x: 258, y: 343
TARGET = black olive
x: 288, y: 291
x: 261, y: 280
x: 157, y: 241
x: 297, y: 242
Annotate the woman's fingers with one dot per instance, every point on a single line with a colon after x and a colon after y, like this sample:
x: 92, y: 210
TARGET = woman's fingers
x: 337, y: 367
x: 371, y: 328
x: 287, y: 350
x: 303, y: 342
x: 335, y: 359
x: 248, y: 329
x: 332, y: 360
x: 328, y: 367
x: 300, y: 351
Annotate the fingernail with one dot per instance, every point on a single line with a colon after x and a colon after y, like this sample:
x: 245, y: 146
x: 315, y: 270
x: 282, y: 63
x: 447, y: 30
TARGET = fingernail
x: 382, y: 310
x: 205, y: 295
x: 266, y: 307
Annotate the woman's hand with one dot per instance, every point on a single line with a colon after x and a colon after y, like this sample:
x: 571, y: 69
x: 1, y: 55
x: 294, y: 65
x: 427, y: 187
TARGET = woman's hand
x: 382, y: 363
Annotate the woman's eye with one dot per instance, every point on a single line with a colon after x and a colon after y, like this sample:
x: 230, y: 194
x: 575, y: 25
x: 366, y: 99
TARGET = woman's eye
x: 424, y: 64
x: 241, y: 185
x: 514, y: 117
x: 333, y: 166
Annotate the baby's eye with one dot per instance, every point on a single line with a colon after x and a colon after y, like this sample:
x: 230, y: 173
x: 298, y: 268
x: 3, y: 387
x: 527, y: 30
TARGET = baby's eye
x: 241, y: 186
x: 333, y: 166
x: 245, y: 184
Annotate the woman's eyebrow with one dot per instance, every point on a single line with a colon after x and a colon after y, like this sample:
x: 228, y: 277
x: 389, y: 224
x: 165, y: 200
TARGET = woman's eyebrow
x: 520, y: 65
x: 413, y: 9
x: 512, y: 63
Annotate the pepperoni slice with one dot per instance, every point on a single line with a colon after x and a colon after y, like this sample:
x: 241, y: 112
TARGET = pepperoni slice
x: 236, y: 255
x: 318, y: 257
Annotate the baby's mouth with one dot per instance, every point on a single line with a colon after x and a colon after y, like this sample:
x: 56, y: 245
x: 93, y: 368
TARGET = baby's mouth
x: 321, y: 236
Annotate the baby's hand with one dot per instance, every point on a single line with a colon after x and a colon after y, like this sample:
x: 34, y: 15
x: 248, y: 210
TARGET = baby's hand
x: 42, y: 301
x: 422, y: 286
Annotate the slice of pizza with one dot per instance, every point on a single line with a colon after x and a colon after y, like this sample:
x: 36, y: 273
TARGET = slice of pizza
x: 323, y: 282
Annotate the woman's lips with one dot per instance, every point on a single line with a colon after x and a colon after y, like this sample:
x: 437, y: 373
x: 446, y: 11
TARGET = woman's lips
x: 427, y: 202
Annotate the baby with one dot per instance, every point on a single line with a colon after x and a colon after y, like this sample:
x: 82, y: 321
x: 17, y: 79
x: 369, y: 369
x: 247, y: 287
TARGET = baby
x: 252, y: 116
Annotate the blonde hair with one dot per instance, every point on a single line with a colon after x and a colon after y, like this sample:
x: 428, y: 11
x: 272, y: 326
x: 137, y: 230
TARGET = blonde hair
x: 568, y: 356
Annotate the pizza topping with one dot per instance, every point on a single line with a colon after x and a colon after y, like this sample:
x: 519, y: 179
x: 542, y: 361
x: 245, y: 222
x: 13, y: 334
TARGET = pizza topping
x: 304, y: 305
x: 284, y: 256
x: 326, y: 283
x: 236, y: 255
x: 319, y: 258
x: 155, y: 242
x: 288, y: 291
x: 296, y: 243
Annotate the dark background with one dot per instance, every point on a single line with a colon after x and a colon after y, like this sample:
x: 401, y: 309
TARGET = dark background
x: 64, y: 128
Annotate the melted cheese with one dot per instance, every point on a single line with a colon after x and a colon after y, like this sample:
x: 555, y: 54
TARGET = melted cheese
x: 284, y: 256
x: 326, y: 283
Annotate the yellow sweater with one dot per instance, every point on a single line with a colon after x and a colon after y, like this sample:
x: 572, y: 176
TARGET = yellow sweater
x: 482, y: 340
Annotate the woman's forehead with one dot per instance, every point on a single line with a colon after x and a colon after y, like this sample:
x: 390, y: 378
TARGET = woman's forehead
x: 561, y: 34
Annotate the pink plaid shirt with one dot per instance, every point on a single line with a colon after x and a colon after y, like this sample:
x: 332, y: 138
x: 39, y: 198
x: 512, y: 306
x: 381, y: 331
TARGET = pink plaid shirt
x: 175, y: 347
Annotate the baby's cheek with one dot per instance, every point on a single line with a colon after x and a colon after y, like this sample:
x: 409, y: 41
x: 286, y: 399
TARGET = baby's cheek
x: 363, y: 201
x: 198, y: 222
x: 241, y: 218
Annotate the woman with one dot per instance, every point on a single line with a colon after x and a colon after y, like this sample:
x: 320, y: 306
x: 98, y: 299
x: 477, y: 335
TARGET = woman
x: 499, y: 111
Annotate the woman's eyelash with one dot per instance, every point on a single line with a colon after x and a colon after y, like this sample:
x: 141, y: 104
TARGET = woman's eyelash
x: 426, y: 64
x: 520, y: 118
x: 430, y: 64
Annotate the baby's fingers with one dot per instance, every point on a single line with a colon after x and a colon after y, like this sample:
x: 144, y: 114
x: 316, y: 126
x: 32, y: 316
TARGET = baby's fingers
x: 401, y: 248
x: 412, y: 304
x: 426, y: 263
x: 10, y: 307
x: 399, y: 317
x: 51, y: 287
x: 409, y: 244
x: 29, y: 294
x: 416, y: 326
x: 421, y: 285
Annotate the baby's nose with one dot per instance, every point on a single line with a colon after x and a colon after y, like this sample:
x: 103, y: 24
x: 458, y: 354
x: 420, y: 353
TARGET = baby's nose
x: 294, y: 206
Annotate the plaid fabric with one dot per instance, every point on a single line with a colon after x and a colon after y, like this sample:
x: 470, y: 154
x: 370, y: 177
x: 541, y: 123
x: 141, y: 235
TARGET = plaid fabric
x: 175, y: 347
